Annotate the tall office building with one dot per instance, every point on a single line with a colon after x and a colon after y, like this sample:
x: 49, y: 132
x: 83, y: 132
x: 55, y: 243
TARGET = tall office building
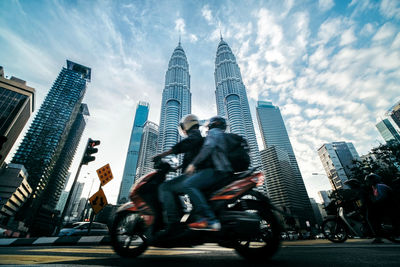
x: 394, y: 114
x: 176, y: 99
x: 388, y: 131
x: 16, y: 106
x: 141, y: 115
x: 231, y: 97
x: 337, y: 159
x: 284, y: 180
x: 46, y: 140
x: 148, y: 149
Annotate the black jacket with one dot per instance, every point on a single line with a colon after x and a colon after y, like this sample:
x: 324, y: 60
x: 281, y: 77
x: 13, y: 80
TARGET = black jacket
x: 191, y: 146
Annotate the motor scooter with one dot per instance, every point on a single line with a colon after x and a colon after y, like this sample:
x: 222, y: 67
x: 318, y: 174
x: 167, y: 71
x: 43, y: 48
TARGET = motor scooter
x: 351, y: 218
x: 248, y: 222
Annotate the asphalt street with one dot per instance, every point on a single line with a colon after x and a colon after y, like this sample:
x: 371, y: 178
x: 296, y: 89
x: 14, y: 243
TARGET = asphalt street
x: 295, y: 253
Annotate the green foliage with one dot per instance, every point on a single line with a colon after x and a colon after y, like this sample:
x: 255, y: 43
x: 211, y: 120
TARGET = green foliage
x: 383, y: 160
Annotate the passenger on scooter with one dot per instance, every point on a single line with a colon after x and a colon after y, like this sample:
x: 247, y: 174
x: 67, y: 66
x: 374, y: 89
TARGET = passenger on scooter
x: 214, y: 147
x: 169, y: 190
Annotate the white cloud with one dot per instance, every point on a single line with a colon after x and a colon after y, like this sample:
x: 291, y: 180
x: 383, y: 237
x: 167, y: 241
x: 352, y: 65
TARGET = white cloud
x: 384, y: 32
x: 193, y: 38
x: 329, y: 29
x: 367, y: 29
x: 325, y: 5
x: 180, y: 25
x: 206, y: 13
x: 347, y: 37
x: 390, y: 9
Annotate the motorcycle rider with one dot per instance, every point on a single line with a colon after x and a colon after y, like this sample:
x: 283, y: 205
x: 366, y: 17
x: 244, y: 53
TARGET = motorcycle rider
x: 214, y: 147
x: 380, y: 204
x: 168, y: 191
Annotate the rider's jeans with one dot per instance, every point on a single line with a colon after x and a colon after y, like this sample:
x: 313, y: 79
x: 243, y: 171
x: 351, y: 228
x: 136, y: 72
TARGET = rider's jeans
x: 200, y: 181
x: 168, y: 193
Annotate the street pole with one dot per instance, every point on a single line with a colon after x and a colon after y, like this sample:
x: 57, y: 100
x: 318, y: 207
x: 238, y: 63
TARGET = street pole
x: 84, y: 212
x: 92, y: 217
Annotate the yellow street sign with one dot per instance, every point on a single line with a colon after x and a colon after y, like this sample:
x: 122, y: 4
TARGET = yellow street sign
x: 105, y: 174
x: 98, y: 201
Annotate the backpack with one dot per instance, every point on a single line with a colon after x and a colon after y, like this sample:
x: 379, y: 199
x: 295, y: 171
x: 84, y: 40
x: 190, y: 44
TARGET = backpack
x: 237, y: 152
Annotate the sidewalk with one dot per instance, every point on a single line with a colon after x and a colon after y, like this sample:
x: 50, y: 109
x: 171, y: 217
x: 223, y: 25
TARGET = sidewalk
x: 55, y: 241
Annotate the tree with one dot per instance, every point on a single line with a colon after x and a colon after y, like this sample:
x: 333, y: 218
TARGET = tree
x: 383, y: 160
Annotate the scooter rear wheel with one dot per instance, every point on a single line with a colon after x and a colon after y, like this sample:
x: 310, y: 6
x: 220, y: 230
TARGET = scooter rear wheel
x: 334, y: 230
x: 127, y: 235
x: 268, y: 242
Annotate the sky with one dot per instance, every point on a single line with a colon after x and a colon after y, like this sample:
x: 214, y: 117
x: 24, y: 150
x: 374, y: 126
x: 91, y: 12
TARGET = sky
x: 333, y: 67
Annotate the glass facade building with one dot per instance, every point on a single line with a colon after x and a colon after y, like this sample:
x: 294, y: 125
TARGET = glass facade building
x: 148, y: 149
x: 388, y: 131
x: 337, y: 159
x: 46, y: 140
x: 231, y: 98
x: 285, y: 186
x: 176, y: 99
x: 16, y: 106
x: 128, y: 178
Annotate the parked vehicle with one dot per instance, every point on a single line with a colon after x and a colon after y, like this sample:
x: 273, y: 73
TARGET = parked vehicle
x: 247, y: 219
x: 82, y: 228
x: 350, y: 220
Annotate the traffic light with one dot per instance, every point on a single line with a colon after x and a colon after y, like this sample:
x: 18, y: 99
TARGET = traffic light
x: 90, y: 149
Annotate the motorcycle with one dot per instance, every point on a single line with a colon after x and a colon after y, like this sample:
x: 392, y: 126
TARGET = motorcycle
x: 248, y: 223
x: 351, y: 219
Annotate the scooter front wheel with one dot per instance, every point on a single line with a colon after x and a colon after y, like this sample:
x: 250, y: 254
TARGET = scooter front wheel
x: 127, y: 235
x: 334, y: 230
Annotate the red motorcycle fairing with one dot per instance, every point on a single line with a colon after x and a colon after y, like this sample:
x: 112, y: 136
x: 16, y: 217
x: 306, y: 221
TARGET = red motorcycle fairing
x: 238, y: 187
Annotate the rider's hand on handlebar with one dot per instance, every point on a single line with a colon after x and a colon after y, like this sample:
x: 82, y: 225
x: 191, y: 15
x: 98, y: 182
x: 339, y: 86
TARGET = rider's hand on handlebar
x: 156, y: 158
x: 190, y: 169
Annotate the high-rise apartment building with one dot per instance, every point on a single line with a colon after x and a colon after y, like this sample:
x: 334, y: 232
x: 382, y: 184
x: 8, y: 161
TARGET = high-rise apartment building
x: 46, y: 140
x: 284, y: 181
x: 338, y: 159
x: 148, y: 149
x: 141, y: 115
x: 231, y: 97
x: 176, y: 99
x: 388, y: 131
x: 16, y: 106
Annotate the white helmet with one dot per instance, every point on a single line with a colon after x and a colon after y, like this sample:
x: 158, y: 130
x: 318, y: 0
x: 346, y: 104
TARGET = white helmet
x: 186, y: 123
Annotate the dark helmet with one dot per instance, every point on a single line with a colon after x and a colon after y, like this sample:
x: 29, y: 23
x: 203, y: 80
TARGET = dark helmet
x: 217, y: 122
x: 372, y: 179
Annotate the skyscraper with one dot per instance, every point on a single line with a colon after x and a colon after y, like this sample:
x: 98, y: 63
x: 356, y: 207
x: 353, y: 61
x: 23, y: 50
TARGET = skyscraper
x: 141, y: 115
x: 176, y: 99
x: 288, y: 188
x: 148, y: 149
x: 394, y: 114
x: 46, y: 138
x: 388, y: 131
x: 60, y: 174
x: 337, y: 159
x: 231, y: 97
x: 16, y: 106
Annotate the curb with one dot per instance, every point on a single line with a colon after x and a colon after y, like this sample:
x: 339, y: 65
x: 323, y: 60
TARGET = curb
x: 56, y: 241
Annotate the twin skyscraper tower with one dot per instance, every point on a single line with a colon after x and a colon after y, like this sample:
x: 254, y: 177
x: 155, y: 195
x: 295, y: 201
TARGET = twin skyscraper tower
x: 231, y: 98
x: 230, y: 93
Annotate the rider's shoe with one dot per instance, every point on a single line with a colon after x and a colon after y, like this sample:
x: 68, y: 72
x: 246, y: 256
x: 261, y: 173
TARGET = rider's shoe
x: 205, y: 225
